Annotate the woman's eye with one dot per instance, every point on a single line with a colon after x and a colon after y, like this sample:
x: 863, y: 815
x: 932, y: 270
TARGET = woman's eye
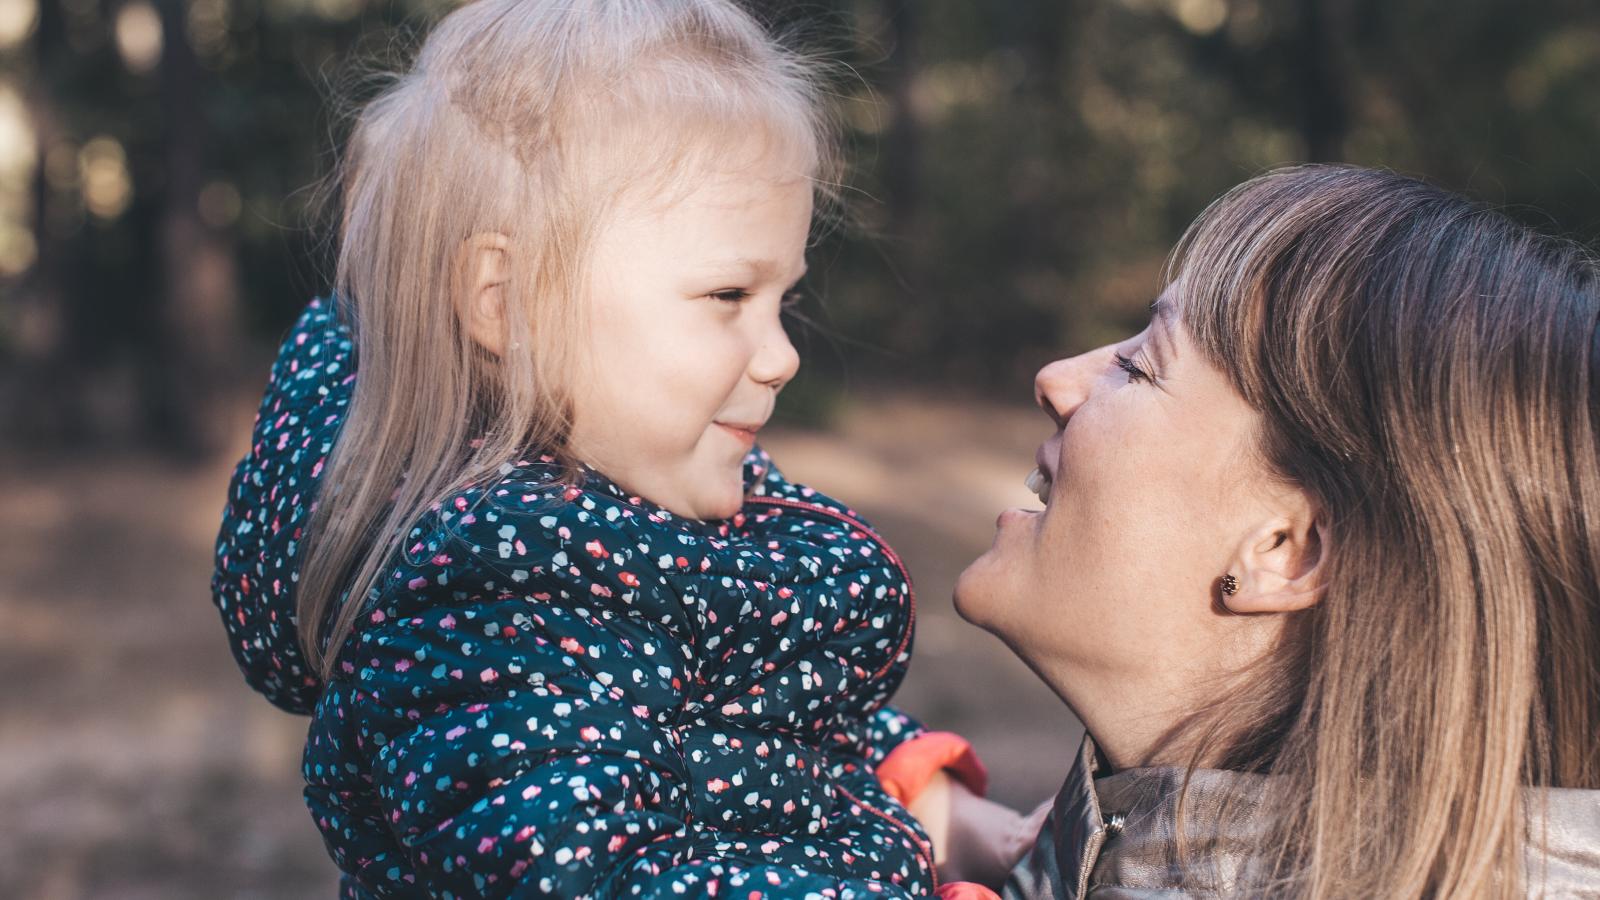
x: 793, y: 298
x: 1132, y: 368
x: 732, y: 295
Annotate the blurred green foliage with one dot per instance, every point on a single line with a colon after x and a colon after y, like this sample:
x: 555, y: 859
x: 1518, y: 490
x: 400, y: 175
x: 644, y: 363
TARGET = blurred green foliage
x: 1020, y: 168
x: 1060, y: 148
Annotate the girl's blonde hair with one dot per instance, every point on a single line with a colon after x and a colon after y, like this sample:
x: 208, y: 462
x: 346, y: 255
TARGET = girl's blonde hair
x: 527, y: 118
x: 1425, y: 369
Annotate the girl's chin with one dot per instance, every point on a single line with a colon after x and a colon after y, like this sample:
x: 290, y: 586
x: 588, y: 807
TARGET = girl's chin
x: 722, y: 501
x: 715, y: 511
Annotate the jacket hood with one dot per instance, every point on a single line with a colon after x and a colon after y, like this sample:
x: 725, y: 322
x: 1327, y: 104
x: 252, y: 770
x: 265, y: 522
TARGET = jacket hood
x: 269, y: 499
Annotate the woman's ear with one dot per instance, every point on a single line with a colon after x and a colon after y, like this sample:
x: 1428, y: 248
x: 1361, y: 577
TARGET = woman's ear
x: 1278, y: 567
x: 481, y: 294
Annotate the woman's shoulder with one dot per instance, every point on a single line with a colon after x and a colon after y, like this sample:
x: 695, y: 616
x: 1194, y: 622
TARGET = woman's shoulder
x: 1120, y: 830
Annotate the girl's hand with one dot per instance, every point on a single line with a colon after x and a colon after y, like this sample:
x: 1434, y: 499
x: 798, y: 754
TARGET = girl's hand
x: 974, y: 839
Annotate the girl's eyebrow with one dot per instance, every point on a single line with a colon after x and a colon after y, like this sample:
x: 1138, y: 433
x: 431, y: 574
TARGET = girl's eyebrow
x: 758, y: 269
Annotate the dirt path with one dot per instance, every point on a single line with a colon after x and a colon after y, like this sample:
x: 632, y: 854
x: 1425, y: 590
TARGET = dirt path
x: 135, y: 763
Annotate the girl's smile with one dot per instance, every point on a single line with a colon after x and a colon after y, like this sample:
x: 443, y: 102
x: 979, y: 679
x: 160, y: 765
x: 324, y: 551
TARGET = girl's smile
x: 744, y: 434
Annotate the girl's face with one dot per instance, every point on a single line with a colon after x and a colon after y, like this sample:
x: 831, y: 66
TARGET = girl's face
x: 689, y: 352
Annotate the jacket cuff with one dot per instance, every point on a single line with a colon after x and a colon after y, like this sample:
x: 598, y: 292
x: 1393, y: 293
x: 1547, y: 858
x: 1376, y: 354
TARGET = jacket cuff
x: 909, y: 767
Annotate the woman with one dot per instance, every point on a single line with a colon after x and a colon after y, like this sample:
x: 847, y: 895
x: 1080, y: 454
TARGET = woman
x: 1315, y: 566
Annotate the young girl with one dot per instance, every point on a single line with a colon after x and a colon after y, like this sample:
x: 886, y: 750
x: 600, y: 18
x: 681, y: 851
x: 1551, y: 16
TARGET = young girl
x: 561, y: 628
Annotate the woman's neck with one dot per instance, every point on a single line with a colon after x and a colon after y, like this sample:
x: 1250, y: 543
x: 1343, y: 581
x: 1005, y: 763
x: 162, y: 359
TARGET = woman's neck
x: 1182, y: 703
x: 1144, y: 720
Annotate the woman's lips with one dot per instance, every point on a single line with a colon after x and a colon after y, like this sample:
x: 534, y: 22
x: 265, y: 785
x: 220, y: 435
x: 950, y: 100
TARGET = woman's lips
x: 1047, y: 454
x: 1010, y: 515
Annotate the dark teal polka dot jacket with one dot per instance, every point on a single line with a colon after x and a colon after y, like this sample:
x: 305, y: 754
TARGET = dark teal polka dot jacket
x: 571, y: 692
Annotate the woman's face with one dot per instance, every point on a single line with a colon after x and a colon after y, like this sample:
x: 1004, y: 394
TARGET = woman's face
x: 1154, y: 490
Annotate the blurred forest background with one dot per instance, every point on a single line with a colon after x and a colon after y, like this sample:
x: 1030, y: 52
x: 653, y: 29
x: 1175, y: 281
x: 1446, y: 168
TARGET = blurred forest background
x: 1021, y: 168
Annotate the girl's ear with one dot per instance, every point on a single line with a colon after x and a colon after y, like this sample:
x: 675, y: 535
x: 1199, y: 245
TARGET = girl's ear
x: 1279, y: 566
x: 481, y: 294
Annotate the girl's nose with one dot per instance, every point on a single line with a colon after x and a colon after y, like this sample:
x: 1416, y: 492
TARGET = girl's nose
x: 776, y: 361
x: 1062, y: 386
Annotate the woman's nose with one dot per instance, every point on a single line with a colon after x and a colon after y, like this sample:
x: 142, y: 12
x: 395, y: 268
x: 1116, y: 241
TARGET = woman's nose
x: 1062, y: 386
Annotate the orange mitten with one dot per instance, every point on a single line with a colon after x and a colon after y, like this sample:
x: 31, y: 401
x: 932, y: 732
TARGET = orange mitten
x: 910, y: 766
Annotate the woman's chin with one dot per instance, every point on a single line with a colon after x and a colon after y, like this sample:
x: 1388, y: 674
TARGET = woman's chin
x: 985, y: 586
x: 976, y: 592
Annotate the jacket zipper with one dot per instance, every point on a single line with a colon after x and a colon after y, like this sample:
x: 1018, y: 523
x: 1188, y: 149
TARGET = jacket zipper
x: 923, y: 850
x: 888, y: 552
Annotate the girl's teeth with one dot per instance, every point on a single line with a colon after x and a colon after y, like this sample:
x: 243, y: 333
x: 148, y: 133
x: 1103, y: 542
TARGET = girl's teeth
x: 1039, y: 483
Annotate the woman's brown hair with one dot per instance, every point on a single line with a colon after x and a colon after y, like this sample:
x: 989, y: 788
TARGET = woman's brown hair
x: 1425, y: 370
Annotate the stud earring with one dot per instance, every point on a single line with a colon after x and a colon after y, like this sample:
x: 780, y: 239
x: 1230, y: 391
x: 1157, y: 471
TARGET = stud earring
x: 1230, y: 585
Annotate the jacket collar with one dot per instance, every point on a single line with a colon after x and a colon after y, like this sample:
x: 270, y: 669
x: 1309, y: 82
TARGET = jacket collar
x: 1063, y: 856
x: 1120, y: 830
x: 761, y: 478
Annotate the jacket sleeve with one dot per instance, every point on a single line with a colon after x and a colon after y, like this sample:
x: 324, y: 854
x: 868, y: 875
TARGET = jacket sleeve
x: 524, y: 743
x: 904, y: 755
x: 880, y: 733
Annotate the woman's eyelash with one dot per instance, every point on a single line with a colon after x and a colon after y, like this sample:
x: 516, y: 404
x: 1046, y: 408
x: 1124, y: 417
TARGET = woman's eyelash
x: 1132, y: 368
x: 793, y: 298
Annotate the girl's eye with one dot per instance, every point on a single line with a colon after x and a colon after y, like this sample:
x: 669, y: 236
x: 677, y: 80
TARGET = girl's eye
x: 1132, y: 368
x: 731, y: 295
x: 793, y: 298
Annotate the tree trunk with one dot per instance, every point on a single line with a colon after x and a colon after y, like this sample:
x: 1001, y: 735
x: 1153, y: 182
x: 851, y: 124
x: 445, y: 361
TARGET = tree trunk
x: 1324, y: 110
x: 903, y: 148
x: 43, y: 393
x: 185, y: 398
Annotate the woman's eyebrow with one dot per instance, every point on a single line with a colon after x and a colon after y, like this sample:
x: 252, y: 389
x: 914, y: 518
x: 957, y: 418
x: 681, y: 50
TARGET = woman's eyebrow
x: 1153, y: 346
x: 1156, y: 339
